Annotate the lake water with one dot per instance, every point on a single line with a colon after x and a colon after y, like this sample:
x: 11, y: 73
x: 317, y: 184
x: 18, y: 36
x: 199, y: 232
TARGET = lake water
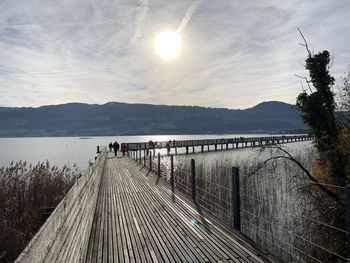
x: 274, y: 188
x: 74, y: 150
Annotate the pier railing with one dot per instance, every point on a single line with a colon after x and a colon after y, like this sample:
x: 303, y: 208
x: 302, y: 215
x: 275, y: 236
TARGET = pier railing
x: 212, y: 193
x: 77, y: 206
x: 277, y: 215
x: 218, y: 144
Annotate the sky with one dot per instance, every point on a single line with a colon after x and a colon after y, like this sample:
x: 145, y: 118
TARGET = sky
x: 235, y: 54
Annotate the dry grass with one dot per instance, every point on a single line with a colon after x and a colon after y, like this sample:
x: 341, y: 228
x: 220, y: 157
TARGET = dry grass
x: 24, y: 190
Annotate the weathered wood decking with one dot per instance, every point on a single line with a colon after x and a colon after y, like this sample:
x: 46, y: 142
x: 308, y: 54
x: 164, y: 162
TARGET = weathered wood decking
x: 137, y: 219
x: 140, y: 221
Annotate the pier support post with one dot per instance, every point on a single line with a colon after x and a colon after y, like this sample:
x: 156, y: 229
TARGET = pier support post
x: 98, y: 149
x: 216, y: 147
x: 172, y: 181
x: 202, y: 148
x: 192, y: 149
x: 140, y: 159
x: 186, y: 149
x: 175, y: 151
x: 236, y: 203
x: 193, y: 179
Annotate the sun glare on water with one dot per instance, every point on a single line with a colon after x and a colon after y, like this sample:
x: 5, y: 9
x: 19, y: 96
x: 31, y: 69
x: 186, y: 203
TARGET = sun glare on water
x: 168, y: 44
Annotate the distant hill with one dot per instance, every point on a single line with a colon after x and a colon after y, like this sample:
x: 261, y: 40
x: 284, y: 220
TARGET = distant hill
x: 114, y: 118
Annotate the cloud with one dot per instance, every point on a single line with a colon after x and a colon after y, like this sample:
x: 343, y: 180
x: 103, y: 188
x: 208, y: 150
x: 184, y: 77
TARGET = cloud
x: 188, y: 15
x: 141, y: 14
x: 235, y: 53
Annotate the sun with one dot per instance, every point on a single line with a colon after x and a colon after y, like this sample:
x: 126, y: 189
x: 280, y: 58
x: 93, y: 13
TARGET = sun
x: 168, y: 44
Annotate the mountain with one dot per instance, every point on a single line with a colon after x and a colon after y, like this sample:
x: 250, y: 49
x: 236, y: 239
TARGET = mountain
x: 115, y: 118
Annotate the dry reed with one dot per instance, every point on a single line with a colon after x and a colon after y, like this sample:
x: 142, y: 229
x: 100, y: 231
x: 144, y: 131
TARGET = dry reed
x: 25, y: 189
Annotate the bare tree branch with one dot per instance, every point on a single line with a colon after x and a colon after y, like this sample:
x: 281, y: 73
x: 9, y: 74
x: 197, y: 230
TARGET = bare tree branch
x: 305, y: 45
x: 306, y: 80
x: 331, y: 63
x: 303, y: 65
x: 289, y: 157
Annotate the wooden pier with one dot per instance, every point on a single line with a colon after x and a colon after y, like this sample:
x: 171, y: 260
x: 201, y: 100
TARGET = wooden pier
x: 120, y: 212
x: 191, y: 146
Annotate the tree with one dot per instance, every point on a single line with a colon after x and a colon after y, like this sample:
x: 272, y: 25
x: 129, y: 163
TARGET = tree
x: 344, y: 99
x: 318, y: 111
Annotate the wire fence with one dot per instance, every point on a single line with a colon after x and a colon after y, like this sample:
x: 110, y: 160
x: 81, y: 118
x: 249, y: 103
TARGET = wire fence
x: 291, y: 218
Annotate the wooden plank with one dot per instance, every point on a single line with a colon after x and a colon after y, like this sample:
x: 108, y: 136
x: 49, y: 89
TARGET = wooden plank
x: 187, y: 223
x: 135, y: 218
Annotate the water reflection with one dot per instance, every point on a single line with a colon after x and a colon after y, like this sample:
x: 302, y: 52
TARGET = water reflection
x: 69, y: 150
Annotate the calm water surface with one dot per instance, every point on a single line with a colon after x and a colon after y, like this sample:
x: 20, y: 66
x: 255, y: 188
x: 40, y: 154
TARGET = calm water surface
x: 74, y: 150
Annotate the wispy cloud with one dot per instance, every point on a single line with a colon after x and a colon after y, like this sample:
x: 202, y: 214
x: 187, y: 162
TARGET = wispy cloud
x: 188, y: 15
x: 141, y: 14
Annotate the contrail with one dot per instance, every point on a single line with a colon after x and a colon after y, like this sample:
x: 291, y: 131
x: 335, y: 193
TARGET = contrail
x: 188, y: 15
x: 141, y: 13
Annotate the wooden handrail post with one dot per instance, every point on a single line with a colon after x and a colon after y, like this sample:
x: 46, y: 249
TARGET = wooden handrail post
x: 193, y: 179
x: 172, y: 182
x: 236, y: 203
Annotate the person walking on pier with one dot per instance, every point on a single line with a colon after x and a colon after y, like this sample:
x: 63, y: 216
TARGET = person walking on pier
x: 123, y: 148
x: 110, y: 147
x: 168, y: 147
x: 115, y: 148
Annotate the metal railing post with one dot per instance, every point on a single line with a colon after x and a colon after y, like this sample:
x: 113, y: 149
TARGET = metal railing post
x: 236, y: 203
x: 159, y: 164
x: 150, y: 161
x: 347, y: 194
x: 172, y: 182
x: 193, y: 179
